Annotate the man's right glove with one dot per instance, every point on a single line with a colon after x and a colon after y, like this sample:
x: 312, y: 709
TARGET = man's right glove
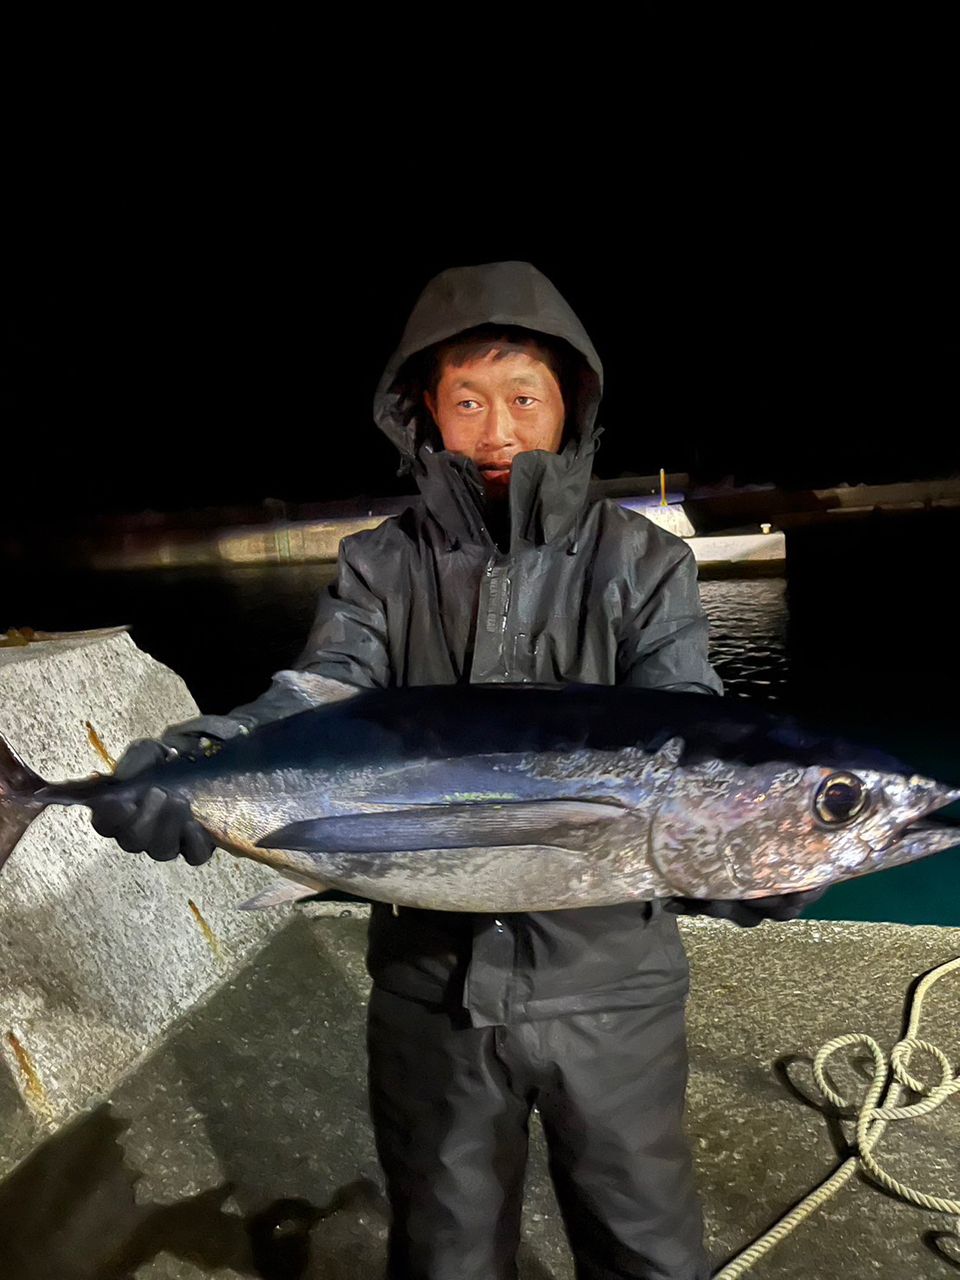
x: 747, y: 912
x: 153, y: 822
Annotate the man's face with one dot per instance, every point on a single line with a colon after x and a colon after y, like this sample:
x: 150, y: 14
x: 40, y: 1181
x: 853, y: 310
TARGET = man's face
x: 491, y: 410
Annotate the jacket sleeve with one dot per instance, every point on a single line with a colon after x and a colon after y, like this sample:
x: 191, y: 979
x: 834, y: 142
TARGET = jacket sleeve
x: 663, y: 637
x: 346, y: 650
x: 348, y: 639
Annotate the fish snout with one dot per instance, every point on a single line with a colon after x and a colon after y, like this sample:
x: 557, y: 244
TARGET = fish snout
x: 898, y: 822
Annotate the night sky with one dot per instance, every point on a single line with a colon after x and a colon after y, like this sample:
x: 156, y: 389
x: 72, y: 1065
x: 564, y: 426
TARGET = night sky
x: 162, y: 355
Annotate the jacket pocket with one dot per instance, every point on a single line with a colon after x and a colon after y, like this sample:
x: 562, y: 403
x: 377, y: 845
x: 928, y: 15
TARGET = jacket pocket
x: 525, y: 656
x: 665, y: 923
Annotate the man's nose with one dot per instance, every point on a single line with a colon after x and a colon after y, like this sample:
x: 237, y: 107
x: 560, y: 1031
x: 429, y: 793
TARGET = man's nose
x: 497, y: 425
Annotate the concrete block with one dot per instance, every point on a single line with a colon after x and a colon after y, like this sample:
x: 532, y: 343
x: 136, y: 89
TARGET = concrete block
x: 100, y: 950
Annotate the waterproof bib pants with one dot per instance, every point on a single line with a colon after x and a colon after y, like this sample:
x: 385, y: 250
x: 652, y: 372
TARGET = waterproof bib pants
x: 451, y: 1103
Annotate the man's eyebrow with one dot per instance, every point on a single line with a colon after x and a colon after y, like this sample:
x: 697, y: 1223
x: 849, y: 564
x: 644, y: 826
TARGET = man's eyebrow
x: 522, y: 379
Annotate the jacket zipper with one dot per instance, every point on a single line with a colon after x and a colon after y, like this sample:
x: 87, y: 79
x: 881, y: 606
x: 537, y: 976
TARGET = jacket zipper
x: 498, y: 606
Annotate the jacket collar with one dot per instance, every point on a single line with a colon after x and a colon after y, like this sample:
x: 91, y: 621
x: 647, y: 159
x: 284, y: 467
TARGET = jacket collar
x: 547, y: 496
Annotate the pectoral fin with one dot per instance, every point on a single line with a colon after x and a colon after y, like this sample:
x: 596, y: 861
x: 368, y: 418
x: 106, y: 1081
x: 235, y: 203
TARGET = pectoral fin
x: 455, y: 826
x: 287, y: 889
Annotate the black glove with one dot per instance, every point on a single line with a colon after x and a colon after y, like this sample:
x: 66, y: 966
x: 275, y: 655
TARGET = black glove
x: 152, y: 821
x: 747, y: 912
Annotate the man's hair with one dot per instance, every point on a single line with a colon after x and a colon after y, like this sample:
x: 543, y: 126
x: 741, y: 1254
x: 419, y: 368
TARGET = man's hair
x: 504, y: 340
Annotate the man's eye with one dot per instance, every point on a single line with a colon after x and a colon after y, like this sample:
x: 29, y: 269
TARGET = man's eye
x: 532, y: 399
x: 461, y: 403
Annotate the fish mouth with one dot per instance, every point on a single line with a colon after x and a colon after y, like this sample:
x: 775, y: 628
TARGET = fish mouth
x: 921, y: 839
x: 918, y: 838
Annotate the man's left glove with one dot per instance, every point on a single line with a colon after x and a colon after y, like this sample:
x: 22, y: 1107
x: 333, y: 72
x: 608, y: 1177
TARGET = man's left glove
x: 747, y: 912
x: 152, y: 821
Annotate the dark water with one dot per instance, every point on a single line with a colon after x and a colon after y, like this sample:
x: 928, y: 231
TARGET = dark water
x: 861, y: 632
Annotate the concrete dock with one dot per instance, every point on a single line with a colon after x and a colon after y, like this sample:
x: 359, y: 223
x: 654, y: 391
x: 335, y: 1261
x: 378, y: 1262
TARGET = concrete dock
x: 318, y: 542
x: 241, y: 1146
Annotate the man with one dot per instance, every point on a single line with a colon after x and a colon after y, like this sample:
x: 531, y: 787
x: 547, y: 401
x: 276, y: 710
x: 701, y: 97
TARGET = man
x: 504, y: 573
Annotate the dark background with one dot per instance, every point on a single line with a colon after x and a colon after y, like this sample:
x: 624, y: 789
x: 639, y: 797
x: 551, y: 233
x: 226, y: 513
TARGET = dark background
x: 164, y: 348
x: 209, y: 247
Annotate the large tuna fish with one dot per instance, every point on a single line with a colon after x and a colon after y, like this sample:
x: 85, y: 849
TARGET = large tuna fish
x: 499, y: 798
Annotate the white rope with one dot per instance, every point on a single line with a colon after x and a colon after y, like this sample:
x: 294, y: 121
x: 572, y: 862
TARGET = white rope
x: 872, y: 1120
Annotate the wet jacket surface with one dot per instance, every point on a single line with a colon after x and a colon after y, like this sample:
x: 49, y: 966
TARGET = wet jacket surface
x: 586, y: 591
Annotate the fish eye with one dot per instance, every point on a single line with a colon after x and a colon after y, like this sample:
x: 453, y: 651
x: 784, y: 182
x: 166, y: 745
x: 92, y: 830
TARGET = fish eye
x: 840, y: 798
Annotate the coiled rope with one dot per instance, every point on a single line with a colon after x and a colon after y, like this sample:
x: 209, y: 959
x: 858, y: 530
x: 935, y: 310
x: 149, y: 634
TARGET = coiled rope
x: 872, y: 1120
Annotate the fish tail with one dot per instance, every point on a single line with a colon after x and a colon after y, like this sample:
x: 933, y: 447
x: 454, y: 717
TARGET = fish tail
x: 18, y: 803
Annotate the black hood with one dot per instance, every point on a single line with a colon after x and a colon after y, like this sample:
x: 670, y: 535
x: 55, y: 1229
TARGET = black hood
x: 547, y: 491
